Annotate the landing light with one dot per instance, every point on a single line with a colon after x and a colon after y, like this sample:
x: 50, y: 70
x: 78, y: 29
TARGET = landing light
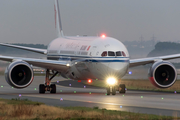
x: 130, y: 72
x: 111, y: 81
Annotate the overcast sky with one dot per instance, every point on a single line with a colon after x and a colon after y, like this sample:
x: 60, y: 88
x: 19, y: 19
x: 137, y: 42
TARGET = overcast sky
x: 32, y: 21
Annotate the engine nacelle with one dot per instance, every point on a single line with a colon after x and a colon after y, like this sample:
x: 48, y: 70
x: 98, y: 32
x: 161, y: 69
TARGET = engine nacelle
x: 162, y: 74
x: 19, y: 74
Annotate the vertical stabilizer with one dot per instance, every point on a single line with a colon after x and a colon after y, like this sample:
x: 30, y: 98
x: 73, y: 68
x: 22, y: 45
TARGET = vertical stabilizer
x: 58, y: 24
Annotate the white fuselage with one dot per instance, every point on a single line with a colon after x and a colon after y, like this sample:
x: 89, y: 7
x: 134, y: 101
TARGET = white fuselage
x: 90, y: 57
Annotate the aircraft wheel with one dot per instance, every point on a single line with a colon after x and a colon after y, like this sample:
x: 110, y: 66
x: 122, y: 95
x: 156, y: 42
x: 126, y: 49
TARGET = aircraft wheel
x: 41, y: 88
x: 113, y: 90
x: 122, y: 88
x: 53, y: 88
x: 108, y: 90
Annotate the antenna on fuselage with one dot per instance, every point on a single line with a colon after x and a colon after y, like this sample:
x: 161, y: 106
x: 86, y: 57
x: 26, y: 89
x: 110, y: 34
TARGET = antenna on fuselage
x: 58, y: 24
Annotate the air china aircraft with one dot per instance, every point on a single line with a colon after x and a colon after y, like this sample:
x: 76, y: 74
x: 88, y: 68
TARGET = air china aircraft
x: 85, y: 58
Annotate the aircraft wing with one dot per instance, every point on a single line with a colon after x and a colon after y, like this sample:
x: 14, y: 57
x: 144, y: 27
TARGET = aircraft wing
x: 144, y: 61
x: 48, y: 64
x: 42, y: 51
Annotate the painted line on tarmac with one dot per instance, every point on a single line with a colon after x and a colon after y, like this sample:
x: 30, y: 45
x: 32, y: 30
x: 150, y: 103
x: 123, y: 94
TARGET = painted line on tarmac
x: 104, y: 103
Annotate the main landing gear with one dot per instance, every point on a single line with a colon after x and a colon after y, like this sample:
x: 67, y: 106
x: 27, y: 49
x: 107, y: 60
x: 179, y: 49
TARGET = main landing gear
x: 47, y: 86
x: 112, y: 89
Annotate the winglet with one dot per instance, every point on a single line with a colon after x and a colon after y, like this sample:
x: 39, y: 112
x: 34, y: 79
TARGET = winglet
x: 58, y: 24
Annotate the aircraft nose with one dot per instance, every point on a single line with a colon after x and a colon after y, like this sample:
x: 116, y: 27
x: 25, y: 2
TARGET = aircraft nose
x: 114, y: 67
x: 117, y: 69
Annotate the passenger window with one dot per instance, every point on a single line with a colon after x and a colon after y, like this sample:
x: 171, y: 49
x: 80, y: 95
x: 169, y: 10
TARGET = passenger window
x: 104, y: 54
x: 123, y: 54
x: 118, y: 53
x: 110, y: 53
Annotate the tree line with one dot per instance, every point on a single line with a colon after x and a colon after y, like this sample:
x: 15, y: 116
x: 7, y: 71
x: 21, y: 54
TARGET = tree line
x: 167, y: 46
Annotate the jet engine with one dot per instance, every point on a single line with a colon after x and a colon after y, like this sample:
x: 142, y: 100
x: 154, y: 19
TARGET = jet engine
x: 162, y: 74
x: 19, y: 74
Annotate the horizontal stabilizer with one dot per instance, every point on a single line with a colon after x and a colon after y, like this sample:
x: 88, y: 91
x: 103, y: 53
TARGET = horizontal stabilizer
x: 42, y: 51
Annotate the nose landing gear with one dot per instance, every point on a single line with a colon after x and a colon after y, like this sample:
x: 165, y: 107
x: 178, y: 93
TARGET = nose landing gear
x: 47, y: 86
x: 112, y: 89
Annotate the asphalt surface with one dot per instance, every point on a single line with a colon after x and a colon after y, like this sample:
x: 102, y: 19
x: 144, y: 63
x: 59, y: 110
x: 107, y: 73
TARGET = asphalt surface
x: 73, y: 93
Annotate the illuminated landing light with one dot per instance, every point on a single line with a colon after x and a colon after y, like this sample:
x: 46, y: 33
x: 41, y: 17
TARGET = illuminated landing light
x: 68, y: 65
x: 61, y: 99
x: 111, y: 81
x: 84, y: 86
x: 69, y: 84
x: 130, y: 72
x: 103, y: 35
x: 57, y: 81
x: 19, y: 95
x: 120, y: 106
x: 175, y: 92
x: 89, y: 81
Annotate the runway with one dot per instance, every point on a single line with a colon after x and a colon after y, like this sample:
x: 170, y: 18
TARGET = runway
x: 72, y: 93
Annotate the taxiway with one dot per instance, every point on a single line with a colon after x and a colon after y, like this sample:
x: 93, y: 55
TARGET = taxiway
x: 72, y: 93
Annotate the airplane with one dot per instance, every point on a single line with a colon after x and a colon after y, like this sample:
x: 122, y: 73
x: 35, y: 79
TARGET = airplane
x: 85, y: 58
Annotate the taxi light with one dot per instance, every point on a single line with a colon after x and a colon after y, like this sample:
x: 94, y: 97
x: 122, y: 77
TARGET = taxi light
x: 89, y: 81
x: 111, y: 81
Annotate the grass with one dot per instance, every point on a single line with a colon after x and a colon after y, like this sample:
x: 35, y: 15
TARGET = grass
x: 139, y: 85
x: 17, y: 109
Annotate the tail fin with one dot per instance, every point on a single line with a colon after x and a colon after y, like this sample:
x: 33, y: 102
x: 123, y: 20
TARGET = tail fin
x: 58, y: 24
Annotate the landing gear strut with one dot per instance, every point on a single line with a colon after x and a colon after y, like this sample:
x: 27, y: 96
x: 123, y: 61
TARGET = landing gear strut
x: 121, y: 88
x: 47, y: 86
x: 111, y: 90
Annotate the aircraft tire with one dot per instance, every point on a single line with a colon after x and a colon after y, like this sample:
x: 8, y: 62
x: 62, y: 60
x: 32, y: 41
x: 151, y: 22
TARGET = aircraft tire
x: 113, y: 90
x: 41, y: 88
x: 123, y: 88
x: 108, y: 90
x: 53, y: 88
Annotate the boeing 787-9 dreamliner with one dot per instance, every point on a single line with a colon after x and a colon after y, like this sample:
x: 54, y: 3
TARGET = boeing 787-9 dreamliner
x: 85, y: 58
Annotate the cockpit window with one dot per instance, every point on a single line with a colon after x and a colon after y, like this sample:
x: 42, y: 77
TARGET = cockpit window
x: 110, y: 53
x: 104, y: 54
x: 123, y: 54
x: 118, y: 53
